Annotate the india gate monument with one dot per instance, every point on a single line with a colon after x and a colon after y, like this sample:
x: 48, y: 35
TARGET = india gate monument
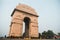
x: 24, y: 13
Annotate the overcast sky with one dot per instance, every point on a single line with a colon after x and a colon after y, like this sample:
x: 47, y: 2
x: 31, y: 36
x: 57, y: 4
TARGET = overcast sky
x: 48, y: 11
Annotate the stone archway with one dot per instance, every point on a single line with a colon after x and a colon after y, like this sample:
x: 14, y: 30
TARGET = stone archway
x: 23, y: 13
x: 26, y: 21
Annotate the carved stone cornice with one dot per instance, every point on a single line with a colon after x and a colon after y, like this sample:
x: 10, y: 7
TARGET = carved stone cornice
x: 22, y: 12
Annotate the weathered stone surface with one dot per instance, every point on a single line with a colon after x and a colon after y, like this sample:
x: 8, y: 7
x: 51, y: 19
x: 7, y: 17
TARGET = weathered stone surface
x: 18, y: 15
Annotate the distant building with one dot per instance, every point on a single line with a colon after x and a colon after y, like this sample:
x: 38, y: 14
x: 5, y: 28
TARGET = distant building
x: 57, y: 37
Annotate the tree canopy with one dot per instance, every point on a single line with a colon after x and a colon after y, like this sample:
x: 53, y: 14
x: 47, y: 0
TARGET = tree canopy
x: 47, y: 34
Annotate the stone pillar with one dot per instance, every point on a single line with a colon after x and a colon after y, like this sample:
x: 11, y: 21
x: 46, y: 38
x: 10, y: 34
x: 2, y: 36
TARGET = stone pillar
x: 34, y: 27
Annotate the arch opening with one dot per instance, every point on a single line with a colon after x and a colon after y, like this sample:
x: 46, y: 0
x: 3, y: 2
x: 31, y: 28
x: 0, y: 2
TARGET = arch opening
x: 26, y: 27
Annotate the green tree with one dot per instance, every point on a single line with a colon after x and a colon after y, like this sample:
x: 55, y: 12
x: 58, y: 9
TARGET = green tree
x: 59, y: 34
x: 44, y: 34
x: 50, y: 34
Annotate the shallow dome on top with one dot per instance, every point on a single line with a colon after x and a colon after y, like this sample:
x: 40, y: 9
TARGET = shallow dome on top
x: 26, y: 8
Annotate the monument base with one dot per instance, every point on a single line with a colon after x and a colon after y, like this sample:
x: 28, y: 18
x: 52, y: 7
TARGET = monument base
x: 27, y: 38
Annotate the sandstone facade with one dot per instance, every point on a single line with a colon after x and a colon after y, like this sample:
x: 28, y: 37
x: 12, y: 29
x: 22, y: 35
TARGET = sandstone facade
x: 20, y: 12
